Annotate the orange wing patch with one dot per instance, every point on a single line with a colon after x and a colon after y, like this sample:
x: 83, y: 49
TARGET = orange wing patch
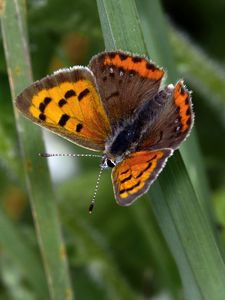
x: 182, y: 100
x: 134, y: 64
x: 69, y: 107
x: 134, y: 175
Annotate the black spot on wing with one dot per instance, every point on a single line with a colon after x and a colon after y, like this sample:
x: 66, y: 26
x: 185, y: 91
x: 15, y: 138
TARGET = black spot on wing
x: 126, y: 179
x: 83, y: 94
x: 70, y: 93
x: 136, y: 59
x: 188, y: 111
x: 47, y: 100
x: 182, y: 90
x: 131, y: 188
x: 124, y: 172
x: 62, y: 102
x: 143, y: 171
x: 42, y: 107
x: 44, y: 104
x: 188, y: 121
x: 64, y: 118
x: 150, y: 66
x: 112, y: 55
x: 123, y: 56
x: 79, y: 127
x: 42, y: 117
x: 187, y: 100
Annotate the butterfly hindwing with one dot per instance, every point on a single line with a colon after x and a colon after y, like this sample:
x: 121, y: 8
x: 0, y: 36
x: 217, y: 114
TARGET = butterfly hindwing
x: 172, y: 120
x: 68, y: 103
x: 125, y: 82
x: 133, y: 176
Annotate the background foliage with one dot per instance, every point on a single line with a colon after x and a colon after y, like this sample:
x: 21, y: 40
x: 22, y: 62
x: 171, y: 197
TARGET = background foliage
x: 118, y: 253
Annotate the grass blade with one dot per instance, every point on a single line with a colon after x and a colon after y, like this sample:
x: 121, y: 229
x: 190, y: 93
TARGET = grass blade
x: 93, y: 249
x: 181, y: 217
x: 196, y: 66
x: 12, y: 243
x: 38, y: 181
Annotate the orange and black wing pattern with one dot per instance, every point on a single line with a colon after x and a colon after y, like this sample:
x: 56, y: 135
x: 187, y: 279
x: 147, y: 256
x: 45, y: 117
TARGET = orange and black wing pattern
x: 173, y: 119
x: 68, y: 104
x: 125, y: 81
x: 133, y: 176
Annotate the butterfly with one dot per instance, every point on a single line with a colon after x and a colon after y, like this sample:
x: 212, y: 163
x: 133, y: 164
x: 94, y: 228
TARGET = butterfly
x: 115, y: 105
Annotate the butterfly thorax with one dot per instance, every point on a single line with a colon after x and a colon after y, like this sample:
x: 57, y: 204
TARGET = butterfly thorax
x: 124, y: 141
x: 127, y: 137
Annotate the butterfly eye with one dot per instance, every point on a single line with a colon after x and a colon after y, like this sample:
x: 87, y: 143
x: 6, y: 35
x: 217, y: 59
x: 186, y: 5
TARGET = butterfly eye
x: 110, y: 164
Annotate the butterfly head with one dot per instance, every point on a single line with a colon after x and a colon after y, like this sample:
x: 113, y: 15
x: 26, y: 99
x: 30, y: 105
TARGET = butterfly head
x: 107, y: 162
x: 115, y: 152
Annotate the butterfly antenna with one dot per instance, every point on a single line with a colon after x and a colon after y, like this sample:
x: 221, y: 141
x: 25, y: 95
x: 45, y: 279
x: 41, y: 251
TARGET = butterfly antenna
x: 91, y: 206
x: 68, y: 155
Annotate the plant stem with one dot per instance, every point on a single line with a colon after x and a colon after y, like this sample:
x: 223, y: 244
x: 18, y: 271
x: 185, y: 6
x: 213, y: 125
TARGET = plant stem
x: 39, y: 186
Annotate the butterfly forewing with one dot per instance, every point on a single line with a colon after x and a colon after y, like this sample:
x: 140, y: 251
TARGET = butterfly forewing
x: 133, y: 176
x: 125, y: 82
x: 68, y: 103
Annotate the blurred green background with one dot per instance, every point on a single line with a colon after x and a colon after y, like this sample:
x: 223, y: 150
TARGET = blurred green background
x: 118, y: 252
